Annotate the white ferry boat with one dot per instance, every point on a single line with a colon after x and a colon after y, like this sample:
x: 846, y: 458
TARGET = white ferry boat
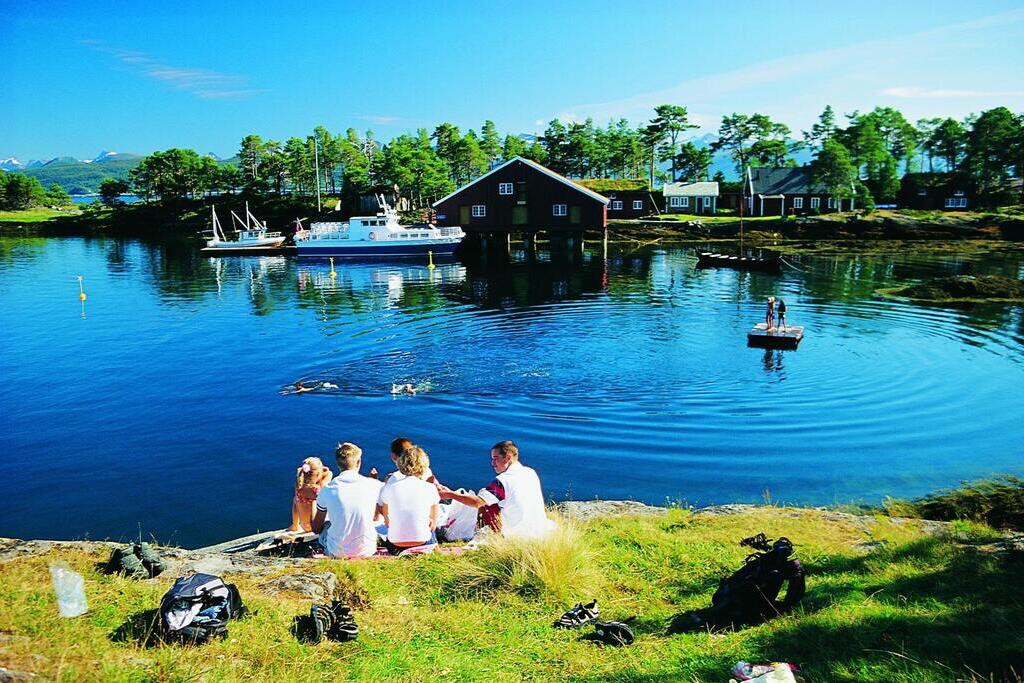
x: 251, y: 233
x: 380, y: 235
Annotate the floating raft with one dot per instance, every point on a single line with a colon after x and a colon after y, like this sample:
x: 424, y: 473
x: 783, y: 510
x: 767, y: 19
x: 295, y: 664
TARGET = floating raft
x: 247, y: 251
x: 707, y: 259
x: 776, y: 339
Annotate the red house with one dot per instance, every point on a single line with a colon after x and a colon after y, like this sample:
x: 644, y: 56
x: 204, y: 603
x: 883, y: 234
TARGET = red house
x: 522, y: 196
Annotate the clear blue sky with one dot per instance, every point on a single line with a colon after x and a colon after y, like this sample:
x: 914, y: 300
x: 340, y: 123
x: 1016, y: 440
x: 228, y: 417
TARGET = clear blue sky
x: 78, y: 77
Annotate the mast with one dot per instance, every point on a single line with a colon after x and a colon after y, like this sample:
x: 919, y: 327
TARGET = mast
x: 316, y: 161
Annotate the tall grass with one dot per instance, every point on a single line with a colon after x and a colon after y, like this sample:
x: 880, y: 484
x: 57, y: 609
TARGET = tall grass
x: 998, y: 502
x: 561, y: 565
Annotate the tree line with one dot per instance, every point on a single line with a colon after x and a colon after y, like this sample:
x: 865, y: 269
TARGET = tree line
x: 19, y: 192
x: 867, y: 155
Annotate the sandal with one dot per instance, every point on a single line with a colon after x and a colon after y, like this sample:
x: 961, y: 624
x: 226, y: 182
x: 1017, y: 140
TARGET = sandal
x: 579, y: 615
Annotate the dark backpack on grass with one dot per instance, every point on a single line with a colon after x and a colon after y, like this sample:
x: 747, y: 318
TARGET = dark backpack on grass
x: 197, y: 609
x: 751, y: 594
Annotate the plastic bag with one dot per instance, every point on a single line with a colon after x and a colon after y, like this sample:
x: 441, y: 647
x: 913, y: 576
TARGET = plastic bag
x: 70, y: 589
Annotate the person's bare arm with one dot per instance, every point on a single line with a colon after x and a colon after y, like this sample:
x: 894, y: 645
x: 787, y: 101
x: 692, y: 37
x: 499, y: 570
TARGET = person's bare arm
x: 435, y: 510
x: 384, y: 513
x: 318, y: 520
x: 464, y: 498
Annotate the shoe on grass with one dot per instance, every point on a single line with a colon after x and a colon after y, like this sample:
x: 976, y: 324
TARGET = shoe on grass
x: 579, y: 615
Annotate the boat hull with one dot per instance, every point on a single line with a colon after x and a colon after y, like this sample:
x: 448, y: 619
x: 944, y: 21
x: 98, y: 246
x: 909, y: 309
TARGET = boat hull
x: 268, y: 242
x: 370, y: 249
x: 708, y: 260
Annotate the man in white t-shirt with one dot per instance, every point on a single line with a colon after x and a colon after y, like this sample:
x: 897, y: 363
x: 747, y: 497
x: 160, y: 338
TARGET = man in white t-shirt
x: 512, y: 504
x: 346, y: 507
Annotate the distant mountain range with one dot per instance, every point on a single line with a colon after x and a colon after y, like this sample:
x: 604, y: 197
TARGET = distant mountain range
x: 77, y: 176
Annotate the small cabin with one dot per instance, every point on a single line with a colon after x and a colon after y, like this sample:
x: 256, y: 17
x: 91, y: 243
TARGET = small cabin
x: 936, y: 192
x: 523, y: 196
x: 698, y: 198
x: 627, y: 198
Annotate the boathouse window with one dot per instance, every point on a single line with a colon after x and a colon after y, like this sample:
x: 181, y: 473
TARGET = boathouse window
x: 521, y: 192
x: 684, y: 202
x: 505, y: 188
x: 707, y: 202
x: 617, y: 205
x: 831, y: 203
x: 956, y: 203
x: 815, y: 202
x: 798, y: 202
x: 559, y: 210
x: 638, y: 205
x: 479, y: 210
x: 675, y: 202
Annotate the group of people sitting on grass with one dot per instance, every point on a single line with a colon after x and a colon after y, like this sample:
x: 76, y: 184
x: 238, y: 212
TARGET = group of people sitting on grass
x: 410, y: 509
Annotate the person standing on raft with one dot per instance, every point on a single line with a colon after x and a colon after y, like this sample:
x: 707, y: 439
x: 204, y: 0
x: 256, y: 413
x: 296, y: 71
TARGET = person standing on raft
x: 782, y: 315
x: 769, y: 317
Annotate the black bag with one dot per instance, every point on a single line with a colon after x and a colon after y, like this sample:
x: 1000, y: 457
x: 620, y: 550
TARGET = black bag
x: 750, y: 595
x: 197, y: 609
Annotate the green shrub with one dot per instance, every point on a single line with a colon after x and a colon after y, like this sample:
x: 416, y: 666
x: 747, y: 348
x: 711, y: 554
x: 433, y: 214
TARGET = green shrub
x: 998, y: 502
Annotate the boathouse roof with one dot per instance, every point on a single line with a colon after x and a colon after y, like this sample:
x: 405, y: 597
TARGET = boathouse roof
x: 782, y: 180
x: 533, y: 164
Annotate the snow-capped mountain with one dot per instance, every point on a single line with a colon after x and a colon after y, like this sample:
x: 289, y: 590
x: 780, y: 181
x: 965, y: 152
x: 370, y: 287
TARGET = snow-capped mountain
x: 11, y: 164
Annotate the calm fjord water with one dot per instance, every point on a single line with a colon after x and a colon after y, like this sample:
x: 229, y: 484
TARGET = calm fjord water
x: 622, y: 377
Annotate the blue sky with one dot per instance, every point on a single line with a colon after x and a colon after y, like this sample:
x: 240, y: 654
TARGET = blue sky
x: 79, y: 77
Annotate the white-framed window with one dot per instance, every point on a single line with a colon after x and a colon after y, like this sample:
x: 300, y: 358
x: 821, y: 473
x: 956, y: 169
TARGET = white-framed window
x: 617, y: 205
x: 675, y: 202
x: 685, y: 203
x: 958, y: 193
x: 922, y: 192
x: 831, y: 202
x: 479, y: 210
x: 707, y: 202
x: 559, y: 210
x: 638, y: 205
x: 815, y: 202
x: 798, y: 202
x: 505, y: 188
x: 956, y: 203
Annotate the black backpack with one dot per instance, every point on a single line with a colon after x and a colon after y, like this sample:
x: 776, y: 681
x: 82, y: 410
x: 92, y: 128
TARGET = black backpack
x: 197, y: 609
x: 751, y: 594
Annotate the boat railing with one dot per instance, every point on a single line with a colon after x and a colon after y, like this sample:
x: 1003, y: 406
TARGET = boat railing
x: 450, y: 232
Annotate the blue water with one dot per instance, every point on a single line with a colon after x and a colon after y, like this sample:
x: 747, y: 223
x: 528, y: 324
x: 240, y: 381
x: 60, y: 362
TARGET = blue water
x: 159, y: 411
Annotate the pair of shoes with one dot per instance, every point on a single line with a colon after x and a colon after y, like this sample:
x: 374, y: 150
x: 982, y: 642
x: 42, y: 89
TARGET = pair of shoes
x: 138, y: 561
x: 579, y: 615
x: 334, y: 621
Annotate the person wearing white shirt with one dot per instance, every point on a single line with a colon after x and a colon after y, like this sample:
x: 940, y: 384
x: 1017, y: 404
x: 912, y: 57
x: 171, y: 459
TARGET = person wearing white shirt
x: 409, y: 504
x: 346, y: 507
x: 512, y: 504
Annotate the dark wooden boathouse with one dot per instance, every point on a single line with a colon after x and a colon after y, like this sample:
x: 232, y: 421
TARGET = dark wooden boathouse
x: 523, y: 196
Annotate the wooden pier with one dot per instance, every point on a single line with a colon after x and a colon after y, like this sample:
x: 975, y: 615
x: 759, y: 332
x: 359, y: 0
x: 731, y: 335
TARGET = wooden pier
x: 777, y: 338
x: 247, y: 251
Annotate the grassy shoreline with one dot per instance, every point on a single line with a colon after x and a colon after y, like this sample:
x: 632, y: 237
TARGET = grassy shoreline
x: 887, y: 600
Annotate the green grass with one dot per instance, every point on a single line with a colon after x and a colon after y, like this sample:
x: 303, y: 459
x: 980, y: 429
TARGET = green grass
x: 37, y: 215
x: 915, y: 608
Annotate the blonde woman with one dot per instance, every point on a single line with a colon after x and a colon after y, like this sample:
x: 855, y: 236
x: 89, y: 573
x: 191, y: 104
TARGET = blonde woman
x: 409, y: 504
x: 311, y: 476
x: 769, y: 316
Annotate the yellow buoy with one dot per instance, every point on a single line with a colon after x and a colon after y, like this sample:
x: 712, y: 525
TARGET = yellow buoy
x: 81, y: 296
x: 333, y: 274
x: 430, y: 260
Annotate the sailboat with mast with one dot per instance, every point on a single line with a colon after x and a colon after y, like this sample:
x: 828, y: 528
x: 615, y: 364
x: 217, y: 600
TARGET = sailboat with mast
x: 251, y: 232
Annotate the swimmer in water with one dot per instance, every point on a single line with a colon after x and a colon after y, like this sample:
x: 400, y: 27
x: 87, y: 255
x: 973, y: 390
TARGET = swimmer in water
x: 298, y: 388
x: 408, y: 388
